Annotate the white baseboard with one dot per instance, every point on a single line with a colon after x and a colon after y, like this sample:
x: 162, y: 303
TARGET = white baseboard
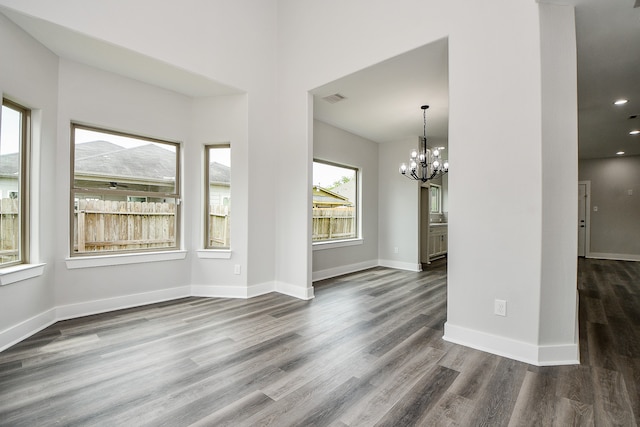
x: 16, y: 333
x: 614, y: 257
x: 27, y: 328
x: 88, y: 308
x: 512, y: 349
x: 294, y: 291
x: 400, y: 265
x: 552, y: 355
x: 215, y: 291
x: 343, y: 269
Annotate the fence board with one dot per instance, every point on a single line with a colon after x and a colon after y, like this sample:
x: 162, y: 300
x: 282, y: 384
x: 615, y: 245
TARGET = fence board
x: 333, y: 223
x: 219, y: 226
x: 9, y: 229
x: 104, y: 225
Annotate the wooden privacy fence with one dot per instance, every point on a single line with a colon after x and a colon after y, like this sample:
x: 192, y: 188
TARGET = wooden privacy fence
x: 9, y: 230
x: 104, y: 225
x: 333, y: 223
x: 218, y: 226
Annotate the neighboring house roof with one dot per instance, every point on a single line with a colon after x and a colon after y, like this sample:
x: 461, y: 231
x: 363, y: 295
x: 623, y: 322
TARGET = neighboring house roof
x: 94, y: 148
x: 9, y: 165
x: 219, y: 174
x: 322, y: 196
x: 146, y: 162
x: 103, y: 158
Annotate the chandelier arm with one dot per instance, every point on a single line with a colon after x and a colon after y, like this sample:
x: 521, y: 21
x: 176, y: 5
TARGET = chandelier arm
x: 428, y: 161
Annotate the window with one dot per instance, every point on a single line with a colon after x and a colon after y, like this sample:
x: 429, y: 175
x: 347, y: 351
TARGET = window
x: 436, y: 198
x: 125, y: 192
x: 217, y: 195
x: 14, y: 144
x: 335, y: 198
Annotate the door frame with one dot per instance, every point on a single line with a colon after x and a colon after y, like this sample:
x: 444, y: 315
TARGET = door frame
x: 587, y: 235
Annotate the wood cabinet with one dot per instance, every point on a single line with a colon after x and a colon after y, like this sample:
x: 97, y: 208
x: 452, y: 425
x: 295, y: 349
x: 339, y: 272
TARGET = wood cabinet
x: 437, y: 241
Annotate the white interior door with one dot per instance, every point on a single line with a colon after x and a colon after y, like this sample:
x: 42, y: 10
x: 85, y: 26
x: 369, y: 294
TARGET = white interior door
x: 582, y: 219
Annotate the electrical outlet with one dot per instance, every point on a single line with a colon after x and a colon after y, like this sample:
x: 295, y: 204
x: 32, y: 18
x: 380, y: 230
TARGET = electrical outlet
x: 500, y: 307
x: 395, y: 250
x: 236, y: 269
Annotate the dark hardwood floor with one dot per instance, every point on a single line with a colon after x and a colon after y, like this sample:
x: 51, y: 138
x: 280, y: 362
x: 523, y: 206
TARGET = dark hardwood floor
x: 368, y: 350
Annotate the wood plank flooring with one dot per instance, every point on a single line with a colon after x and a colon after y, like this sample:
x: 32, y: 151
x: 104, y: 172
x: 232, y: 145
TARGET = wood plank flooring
x: 368, y: 350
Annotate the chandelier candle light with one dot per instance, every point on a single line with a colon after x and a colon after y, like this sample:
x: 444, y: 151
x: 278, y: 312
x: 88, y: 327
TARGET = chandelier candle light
x: 425, y: 163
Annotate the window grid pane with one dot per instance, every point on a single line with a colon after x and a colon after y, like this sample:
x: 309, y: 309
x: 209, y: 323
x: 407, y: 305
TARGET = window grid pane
x: 218, y: 196
x: 335, y: 197
x: 125, y: 193
x: 13, y: 143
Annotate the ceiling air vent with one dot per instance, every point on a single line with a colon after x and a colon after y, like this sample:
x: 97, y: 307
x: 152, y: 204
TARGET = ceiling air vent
x: 336, y: 97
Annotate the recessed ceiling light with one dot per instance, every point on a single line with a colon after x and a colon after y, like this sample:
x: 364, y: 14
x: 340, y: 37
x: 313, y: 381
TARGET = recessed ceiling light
x: 634, y: 132
x: 620, y: 153
x: 620, y: 101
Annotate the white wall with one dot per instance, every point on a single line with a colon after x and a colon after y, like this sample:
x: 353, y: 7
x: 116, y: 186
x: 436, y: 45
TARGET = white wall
x: 495, y: 247
x: 233, y: 42
x: 277, y: 51
x: 29, y: 76
x: 559, y: 296
x: 220, y: 119
x: 399, y: 209
x: 95, y: 97
x: 338, y: 146
x: 615, y: 227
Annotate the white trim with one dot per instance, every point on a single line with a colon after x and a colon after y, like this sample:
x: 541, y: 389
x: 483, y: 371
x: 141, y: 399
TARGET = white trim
x: 614, y: 257
x: 23, y: 330
x: 513, y: 349
x: 332, y: 244
x: 343, y: 269
x: 16, y: 333
x: 88, y: 308
x: 294, y: 291
x: 214, y: 253
x: 16, y: 273
x: 554, y: 355
x: 400, y: 265
x: 121, y: 259
x: 216, y: 291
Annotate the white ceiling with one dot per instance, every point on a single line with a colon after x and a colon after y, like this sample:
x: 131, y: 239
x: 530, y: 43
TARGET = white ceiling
x: 608, y: 38
x: 383, y: 101
x: 81, y: 48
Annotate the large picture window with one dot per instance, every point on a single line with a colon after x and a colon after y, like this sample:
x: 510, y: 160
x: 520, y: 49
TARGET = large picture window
x: 14, y: 145
x: 125, y: 192
x: 218, y: 196
x: 335, y: 199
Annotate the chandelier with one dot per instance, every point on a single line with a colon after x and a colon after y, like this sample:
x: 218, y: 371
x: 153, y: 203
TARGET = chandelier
x: 425, y: 163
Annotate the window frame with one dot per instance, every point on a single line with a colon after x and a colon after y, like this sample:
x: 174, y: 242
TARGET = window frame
x: 330, y: 243
x: 23, y: 185
x: 439, y: 197
x: 207, y: 195
x: 177, y: 194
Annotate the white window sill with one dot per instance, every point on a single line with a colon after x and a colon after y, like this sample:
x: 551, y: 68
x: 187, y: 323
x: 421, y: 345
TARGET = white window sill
x: 121, y: 259
x: 320, y: 246
x: 16, y: 273
x: 214, y: 253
